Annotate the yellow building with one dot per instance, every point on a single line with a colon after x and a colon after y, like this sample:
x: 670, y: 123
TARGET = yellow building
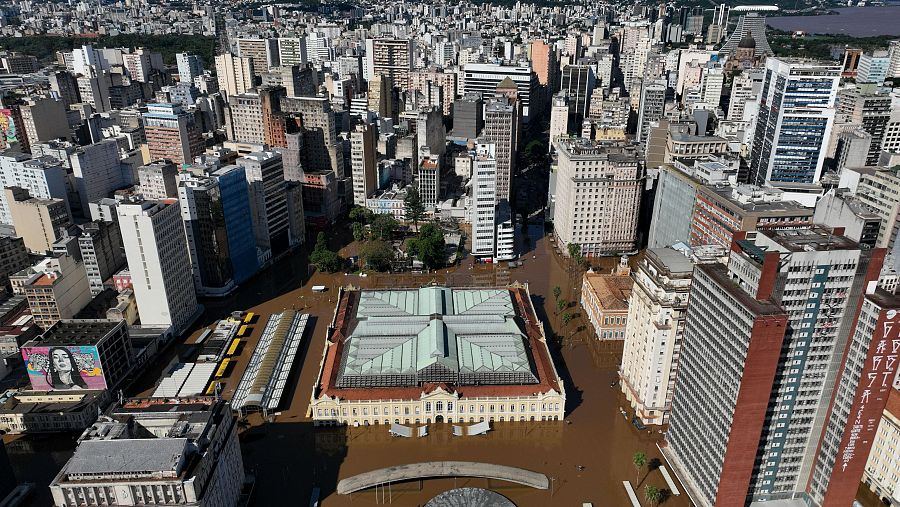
x: 882, y: 473
x: 433, y: 355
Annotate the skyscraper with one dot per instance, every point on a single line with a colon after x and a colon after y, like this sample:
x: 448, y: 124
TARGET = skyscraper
x: 363, y: 163
x: 653, y: 105
x: 207, y: 236
x: 501, y: 128
x: 579, y: 82
x: 268, y: 202
x: 484, y: 197
x: 796, y: 115
x: 235, y: 196
x: 159, y: 262
x: 764, y: 340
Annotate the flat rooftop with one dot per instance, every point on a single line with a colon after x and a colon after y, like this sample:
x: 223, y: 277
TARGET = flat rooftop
x: 76, y: 332
x: 814, y: 238
x: 143, y: 456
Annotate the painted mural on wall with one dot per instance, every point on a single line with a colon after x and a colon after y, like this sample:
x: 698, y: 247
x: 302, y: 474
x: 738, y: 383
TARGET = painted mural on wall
x: 7, y: 129
x: 64, y: 368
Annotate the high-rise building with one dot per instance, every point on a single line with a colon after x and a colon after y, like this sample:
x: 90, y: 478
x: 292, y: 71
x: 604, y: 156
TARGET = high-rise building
x: 653, y: 339
x: 789, y: 303
x: 873, y: 68
x: 39, y: 222
x: 363, y: 163
x: 244, y: 118
x: 428, y: 180
x: 268, y: 202
x: 484, y: 197
x: 235, y: 74
x: 320, y: 150
x: 870, y: 107
x: 882, y: 474
x: 43, y: 177
x: 65, y: 87
x: 13, y: 257
x: 173, y: 451
x: 263, y: 53
x: 468, y: 116
x: 172, y: 133
x: 158, y: 180
x: 390, y: 57
x: 653, y: 106
x: 234, y: 192
x: 207, y: 235
x: 97, y: 168
x: 292, y: 50
x: 544, y: 62
x: 578, y: 82
x: 381, y: 96
x: 44, y: 119
x: 597, y: 196
x: 753, y: 23
x: 100, y: 244
x: 559, y: 117
x: 430, y: 133
x: 483, y: 78
x: 501, y: 128
x: 189, y: 67
x: 794, y: 122
x: 159, y: 262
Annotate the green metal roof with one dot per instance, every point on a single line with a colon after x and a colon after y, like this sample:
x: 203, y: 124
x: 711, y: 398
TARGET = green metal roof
x: 401, y: 332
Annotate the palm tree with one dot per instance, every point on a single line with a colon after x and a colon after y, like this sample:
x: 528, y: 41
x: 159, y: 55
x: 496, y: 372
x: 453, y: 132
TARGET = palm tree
x: 652, y: 494
x: 557, y: 292
x: 567, y: 317
x: 639, y: 459
x: 561, y: 304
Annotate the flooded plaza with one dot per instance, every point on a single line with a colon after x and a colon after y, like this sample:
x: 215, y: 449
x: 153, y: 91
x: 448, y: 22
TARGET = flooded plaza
x: 586, y: 457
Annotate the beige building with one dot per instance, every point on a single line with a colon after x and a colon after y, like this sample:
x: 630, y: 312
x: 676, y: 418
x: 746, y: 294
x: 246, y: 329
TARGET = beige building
x: 235, y: 74
x: 37, y: 221
x: 882, y: 473
x: 604, y: 298
x: 57, y: 290
x: 436, y: 355
x: 879, y: 189
x: 597, y: 196
x: 391, y: 57
x: 656, y: 313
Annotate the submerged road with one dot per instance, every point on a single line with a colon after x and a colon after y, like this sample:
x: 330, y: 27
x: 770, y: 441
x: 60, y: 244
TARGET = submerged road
x: 431, y: 469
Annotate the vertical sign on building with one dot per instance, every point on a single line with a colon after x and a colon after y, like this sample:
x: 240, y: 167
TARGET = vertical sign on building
x: 875, y: 384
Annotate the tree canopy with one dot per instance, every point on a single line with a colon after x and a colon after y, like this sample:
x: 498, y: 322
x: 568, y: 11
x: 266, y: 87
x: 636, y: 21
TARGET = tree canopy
x: 415, y: 210
x: 377, y: 255
x: 429, y: 247
x: 323, y: 258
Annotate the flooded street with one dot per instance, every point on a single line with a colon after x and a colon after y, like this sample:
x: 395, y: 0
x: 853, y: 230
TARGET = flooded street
x: 587, y: 457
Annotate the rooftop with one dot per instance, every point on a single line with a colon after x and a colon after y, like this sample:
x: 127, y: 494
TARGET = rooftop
x: 612, y: 291
x: 127, y: 456
x: 76, y: 332
x: 399, y: 343
x: 814, y: 238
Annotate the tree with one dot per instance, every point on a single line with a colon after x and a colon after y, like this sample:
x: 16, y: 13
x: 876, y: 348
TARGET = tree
x: 561, y: 304
x: 323, y: 258
x: 574, y: 250
x: 361, y: 215
x: 567, y: 317
x: 429, y: 247
x: 383, y: 226
x: 415, y: 210
x: 377, y: 255
x: 653, y: 494
x: 557, y: 292
x: 639, y: 460
x: 359, y: 231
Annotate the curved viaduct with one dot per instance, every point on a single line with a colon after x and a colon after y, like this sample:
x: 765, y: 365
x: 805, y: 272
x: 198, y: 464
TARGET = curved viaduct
x: 432, y: 469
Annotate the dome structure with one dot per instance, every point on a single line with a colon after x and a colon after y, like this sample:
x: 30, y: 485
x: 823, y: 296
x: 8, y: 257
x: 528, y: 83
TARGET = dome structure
x: 747, y: 42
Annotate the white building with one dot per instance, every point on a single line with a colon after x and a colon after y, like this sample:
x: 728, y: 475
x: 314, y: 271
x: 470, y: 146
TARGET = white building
x: 43, y: 177
x: 181, y: 451
x: 484, y: 200
x: 159, y: 262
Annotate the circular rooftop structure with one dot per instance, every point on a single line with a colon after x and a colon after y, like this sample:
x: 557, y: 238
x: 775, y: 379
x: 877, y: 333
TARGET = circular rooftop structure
x: 470, y: 497
x: 747, y: 42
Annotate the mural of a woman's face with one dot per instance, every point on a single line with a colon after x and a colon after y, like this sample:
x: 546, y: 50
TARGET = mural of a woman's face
x: 61, y: 361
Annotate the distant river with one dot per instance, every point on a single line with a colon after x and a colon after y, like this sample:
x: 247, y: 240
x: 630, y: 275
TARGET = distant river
x: 853, y: 21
